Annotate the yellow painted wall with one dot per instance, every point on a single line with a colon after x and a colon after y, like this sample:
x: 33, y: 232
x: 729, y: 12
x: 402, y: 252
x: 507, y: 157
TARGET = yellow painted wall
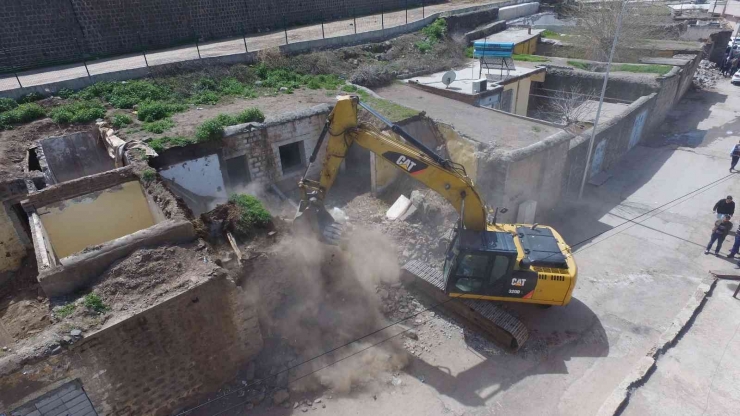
x: 461, y: 150
x: 522, y: 100
x: 12, y: 249
x: 95, y: 218
x: 526, y: 48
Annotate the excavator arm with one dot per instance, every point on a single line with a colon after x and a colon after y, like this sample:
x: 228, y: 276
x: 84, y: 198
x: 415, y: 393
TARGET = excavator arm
x: 409, y: 155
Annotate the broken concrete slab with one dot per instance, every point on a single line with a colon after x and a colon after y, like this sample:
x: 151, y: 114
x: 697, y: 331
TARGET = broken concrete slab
x: 398, y: 208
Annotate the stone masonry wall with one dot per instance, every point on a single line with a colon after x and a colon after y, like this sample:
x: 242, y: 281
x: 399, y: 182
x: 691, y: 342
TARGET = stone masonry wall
x: 42, y: 32
x: 152, y: 362
x: 261, y: 142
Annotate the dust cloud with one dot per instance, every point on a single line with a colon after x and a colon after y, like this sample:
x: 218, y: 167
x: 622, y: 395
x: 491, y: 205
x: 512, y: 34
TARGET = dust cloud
x: 317, y: 298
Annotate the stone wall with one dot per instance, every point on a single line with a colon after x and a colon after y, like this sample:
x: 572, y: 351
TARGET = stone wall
x: 152, y: 362
x: 260, y: 143
x: 42, y: 32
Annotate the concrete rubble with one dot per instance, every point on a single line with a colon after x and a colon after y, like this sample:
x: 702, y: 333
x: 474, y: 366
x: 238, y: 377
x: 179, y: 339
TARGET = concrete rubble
x: 707, y: 74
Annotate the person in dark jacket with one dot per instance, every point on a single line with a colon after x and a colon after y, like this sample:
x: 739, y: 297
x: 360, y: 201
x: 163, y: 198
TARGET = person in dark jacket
x: 735, y: 246
x: 724, y: 207
x: 719, y: 232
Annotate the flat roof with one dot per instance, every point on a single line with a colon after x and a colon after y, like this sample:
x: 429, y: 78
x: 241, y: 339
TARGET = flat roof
x: 515, y: 36
x: 586, y: 112
x: 480, y: 124
x: 465, y: 77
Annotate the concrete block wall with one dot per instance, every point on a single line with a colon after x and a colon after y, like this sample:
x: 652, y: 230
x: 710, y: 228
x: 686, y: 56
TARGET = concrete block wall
x: 261, y: 142
x: 152, y: 362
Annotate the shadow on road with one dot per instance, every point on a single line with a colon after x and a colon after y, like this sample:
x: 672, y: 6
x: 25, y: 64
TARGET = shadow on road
x: 557, y: 335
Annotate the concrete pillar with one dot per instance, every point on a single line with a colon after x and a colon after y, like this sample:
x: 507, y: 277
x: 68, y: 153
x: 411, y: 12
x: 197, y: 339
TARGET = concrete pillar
x: 526, y: 212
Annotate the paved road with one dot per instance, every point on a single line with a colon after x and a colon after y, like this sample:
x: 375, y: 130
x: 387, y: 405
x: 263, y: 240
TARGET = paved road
x: 231, y: 46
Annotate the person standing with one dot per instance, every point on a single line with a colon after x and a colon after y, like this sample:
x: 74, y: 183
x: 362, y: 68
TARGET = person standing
x: 735, y: 154
x: 724, y: 207
x: 736, y: 245
x: 719, y: 232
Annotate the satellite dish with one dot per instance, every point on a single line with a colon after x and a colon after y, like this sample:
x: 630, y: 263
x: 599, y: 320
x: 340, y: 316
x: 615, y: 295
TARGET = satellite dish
x: 448, y: 77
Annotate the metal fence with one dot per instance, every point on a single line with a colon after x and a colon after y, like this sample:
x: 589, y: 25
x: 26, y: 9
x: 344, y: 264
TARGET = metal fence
x: 294, y: 28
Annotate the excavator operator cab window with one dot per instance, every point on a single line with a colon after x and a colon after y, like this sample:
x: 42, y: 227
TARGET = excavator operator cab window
x: 478, y: 263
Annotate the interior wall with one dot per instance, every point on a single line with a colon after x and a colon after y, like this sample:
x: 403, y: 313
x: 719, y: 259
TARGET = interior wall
x: 199, y: 182
x: 461, y: 150
x: 95, y: 218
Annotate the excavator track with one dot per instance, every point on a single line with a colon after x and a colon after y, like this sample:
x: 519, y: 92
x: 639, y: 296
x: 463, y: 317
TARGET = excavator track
x: 495, y: 322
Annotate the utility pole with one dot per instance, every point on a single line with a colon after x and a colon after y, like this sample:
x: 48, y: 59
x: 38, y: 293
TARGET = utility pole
x: 601, y: 99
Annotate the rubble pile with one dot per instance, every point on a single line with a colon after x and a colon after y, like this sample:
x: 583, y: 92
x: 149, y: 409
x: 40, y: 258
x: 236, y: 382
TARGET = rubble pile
x: 706, y: 75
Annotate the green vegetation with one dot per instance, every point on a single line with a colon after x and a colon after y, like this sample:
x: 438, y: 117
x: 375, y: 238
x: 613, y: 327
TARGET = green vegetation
x: 126, y: 94
x: 162, y: 143
x: 650, y: 69
x: 469, y: 52
x: 530, y: 58
x: 148, y: 175
x: 66, y: 310
x: 23, y: 113
x: 434, y: 33
x: 281, y: 77
x: 77, y: 112
x: 65, y: 93
x: 214, y: 129
x: 549, y: 34
x: 206, y: 97
x: 120, y: 120
x: 156, y: 110
x: 7, y: 104
x: 93, y: 303
x: 644, y: 69
x: 159, y: 126
x: 390, y: 110
x: 536, y: 129
x: 349, y: 88
x: 251, y: 213
x: 30, y: 98
x: 580, y: 65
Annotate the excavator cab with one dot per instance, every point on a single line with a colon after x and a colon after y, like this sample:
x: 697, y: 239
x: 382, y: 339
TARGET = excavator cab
x: 484, y: 263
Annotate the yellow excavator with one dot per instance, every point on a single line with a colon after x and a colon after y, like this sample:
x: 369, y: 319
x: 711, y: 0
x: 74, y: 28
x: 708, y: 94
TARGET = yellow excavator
x: 486, y: 262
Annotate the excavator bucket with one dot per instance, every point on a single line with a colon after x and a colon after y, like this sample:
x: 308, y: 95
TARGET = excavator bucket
x: 312, y: 219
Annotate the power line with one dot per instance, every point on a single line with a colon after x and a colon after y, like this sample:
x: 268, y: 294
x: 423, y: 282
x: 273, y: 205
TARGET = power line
x: 632, y: 220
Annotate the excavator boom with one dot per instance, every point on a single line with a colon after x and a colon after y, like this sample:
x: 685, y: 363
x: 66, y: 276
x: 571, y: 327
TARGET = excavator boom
x: 485, y: 261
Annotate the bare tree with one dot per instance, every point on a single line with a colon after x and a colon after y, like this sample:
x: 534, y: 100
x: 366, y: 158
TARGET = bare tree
x: 596, y: 24
x: 571, y: 105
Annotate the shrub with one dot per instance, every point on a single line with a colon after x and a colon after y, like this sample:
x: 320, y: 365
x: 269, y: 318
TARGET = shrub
x: 251, y: 212
x: 205, y: 97
x: 7, y: 104
x: 424, y: 46
x: 77, y: 112
x: 30, y: 97
x: 159, y: 126
x: 94, y: 303
x: 65, y: 93
x: 163, y: 143
x: 469, y: 51
x: 120, y: 120
x: 129, y: 93
x: 157, y: 110
x: 231, y: 86
x: 209, y: 130
x: 349, y: 88
x: 65, y: 310
x: 435, y: 31
x: 249, y: 115
x: 148, y: 175
x: 23, y: 113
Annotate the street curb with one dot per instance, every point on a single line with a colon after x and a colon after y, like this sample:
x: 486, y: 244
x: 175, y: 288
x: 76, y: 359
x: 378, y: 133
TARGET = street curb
x: 617, y: 401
